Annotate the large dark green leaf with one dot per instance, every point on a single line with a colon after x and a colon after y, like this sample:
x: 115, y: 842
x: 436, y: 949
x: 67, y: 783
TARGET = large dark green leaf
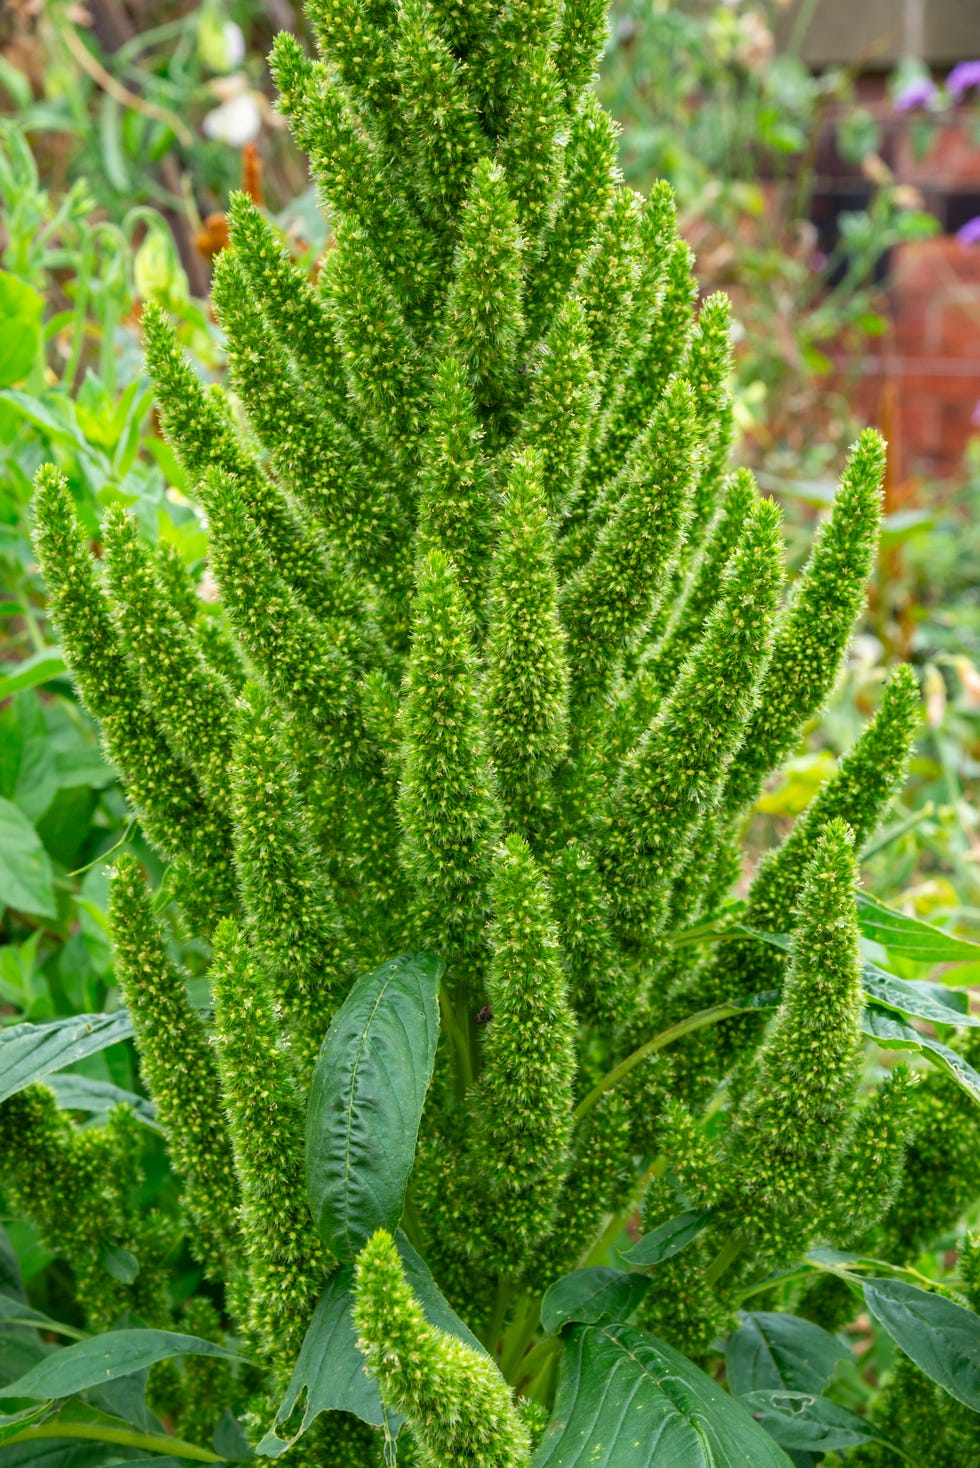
x: 667, y: 1240
x: 94, y: 1362
x: 926, y: 1001
x: 892, y: 1033
x: 329, y: 1370
x: 30, y: 1052
x: 628, y: 1400
x: 366, y: 1100
x: 910, y: 937
x: 773, y: 1352
x: 806, y: 1423
x: 942, y: 1338
x: 590, y: 1295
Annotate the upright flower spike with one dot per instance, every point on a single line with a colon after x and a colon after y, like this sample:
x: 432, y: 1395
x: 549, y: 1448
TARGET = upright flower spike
x: 382, y: 363
x: 351, y: 175
x: 525, y: 690
x: 191, y: 702
x: 605, y: 288
x: 530, y: 151
x: 202, y: 434
x: 292, y: 915
x: 690, y: 612
x: 598, y: 982
x: 816, y: 628
x: 287, y: 1263
x: 304, y: 664
x: 523, y: 1111
x: 707, y: 368
x: 561, y: 406
x: 591, y: 177
x: 357, y: 46
x: 455, y: 482
x: 440, y: 115
x: 447, y: 808
x: 868, y: 1170
x: 295, y: 314
x: 582, y: 36
x: 163, y: 790
x: 178, y: 1066
x: 457, y: 1404
x: 671, y: 781
x: 664, y: 351
x: 483, y: 322
x: 615, y: 592
x: 782, y: 1149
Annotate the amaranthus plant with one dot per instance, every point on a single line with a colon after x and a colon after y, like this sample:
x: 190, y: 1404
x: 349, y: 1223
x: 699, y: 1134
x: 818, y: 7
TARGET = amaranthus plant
x: 453, y: 787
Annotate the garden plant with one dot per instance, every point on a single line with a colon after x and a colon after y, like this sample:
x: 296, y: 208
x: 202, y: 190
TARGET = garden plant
x: 451, y: 783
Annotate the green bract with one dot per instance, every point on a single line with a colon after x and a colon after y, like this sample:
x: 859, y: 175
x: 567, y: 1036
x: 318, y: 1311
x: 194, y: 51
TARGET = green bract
x: 501, y: 660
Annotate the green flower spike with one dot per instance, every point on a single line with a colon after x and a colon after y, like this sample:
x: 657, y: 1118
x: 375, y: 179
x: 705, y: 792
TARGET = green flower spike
x: 178, y: 1065
x: 782, y: 1149
x: 287, y: 1263
x: 457, y: 1405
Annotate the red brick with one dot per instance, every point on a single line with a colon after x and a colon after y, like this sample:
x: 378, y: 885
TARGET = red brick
x: 952, y: 162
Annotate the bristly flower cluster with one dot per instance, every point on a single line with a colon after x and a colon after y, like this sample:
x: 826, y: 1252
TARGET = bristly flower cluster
x: 503, y: 660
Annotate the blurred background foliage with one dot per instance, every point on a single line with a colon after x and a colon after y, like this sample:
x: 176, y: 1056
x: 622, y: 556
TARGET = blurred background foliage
x: 126, y: 123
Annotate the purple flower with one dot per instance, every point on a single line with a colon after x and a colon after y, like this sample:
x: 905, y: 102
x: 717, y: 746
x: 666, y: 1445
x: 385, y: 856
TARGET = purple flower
x: 916, y: 94
x: 970, y: 233
x: 962, y: 79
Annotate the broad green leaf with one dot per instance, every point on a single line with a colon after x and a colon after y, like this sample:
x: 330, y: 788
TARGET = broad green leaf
x: 80, y: 1093
x: 41, y: 668
x: 628, y: 1400
x: 590, y: 1295
x: 20, y: 328
x: 808, y: 1423
x: 119, y: 1264
x: 366, y: 1100
x: 773, y: 1352
x: 104, y: 1357
x: 18, y: 1312
x: 329, y: 1371
x: 910, y: 937
x: 942, y: 1338
x: 924, y: 1001
x: 26, y: 878
x: 11, y: 1425
x: 667, y: 1240
x: 28, y: 1053
x: 892, y: 1033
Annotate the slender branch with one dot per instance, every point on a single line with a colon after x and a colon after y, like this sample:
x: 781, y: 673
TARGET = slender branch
x: 94, y: 1432
x: 122, y: 94
x: 698, y: 1021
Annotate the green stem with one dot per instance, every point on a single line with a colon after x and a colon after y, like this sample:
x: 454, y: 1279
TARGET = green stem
x: 600, y: 1249
x: 460, y: 1044
x: 687, y: 1026
x: 725, y: 1257
x: 93, y: 1432
x: 505, y: 1294
x: 538, y: 1357
x: 519, y: 1336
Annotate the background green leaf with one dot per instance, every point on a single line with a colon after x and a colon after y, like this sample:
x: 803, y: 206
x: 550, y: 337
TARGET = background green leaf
x: 21, y: 308
x: 911, y: 937
x: 30, y: 1052
x: 591, y: 1295
x: 667, y: 1240
x: 774, y: 1352
x: 105, y: 1357
x: 26, y: 878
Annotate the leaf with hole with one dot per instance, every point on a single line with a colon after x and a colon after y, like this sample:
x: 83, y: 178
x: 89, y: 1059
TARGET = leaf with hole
x: 803, y: 1422
x: 628, y: 1400
x: 329, y: 1370
x: 668, y: 1239
x: 590, y: 1295
x: 942, y: 1338
x: 366, y: 1100
x: 775, y: 1352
